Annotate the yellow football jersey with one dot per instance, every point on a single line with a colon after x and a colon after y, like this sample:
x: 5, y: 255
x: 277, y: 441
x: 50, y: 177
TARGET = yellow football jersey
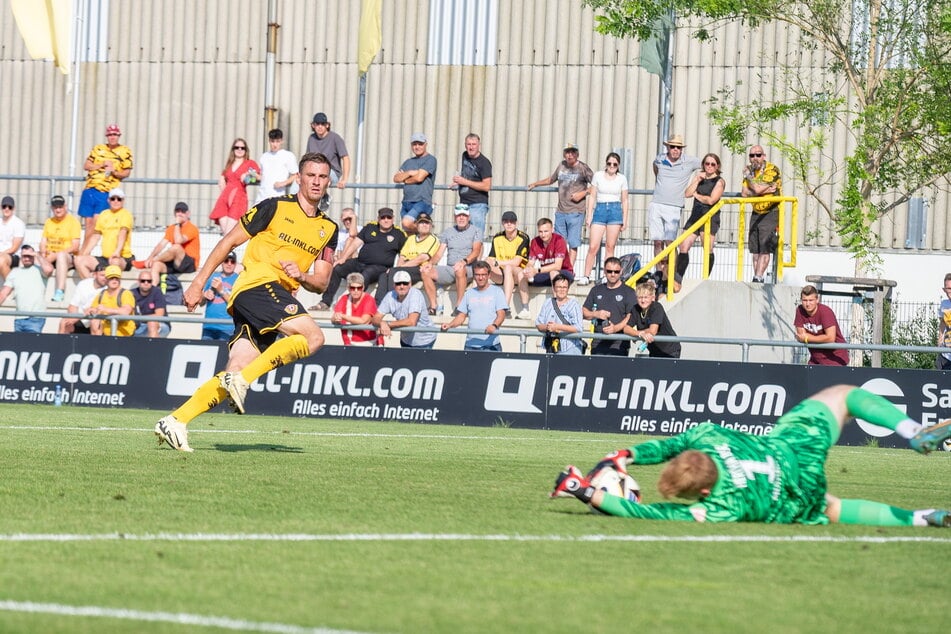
x: 59, y: 234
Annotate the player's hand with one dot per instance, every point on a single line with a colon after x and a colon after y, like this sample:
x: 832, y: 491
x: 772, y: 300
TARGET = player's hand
x: 192, y: 297
x: 291, y: 270
x: 618, y: 459
x: 571, y: 483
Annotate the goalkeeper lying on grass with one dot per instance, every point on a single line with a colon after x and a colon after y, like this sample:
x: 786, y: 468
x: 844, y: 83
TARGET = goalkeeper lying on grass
x: 730, y: 476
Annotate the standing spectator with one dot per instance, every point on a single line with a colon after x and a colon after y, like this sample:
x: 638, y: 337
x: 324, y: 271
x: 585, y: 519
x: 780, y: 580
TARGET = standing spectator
x: 378, y: 244
x: 607, y: 212
x: 561, y: 315
x: 28, y: 282
x: 107, y: 165
x: 816, y: 323
x: 357, y: 307
x: 60, y: 242
x: 609, y: 307
x: 548, y: 257
x: 239, y: 172
x: 114, y: 228
x: 650, y: 319
x: 351, y: 229
x: 462, y: 243
x: 407, y: 305
x: 673, y: 172
x: 508, y: 256
x: 706, y: 189
x: 330, y: 144
x: 762, y: 178
x: 112, y: 300
x: 474, y: 181
x: 12, y: 232
x: 149, y: 301
x: 573, y: 178
x: 418, y: 176
x: 417, y: 251
x: 216, y: 294
x: 485, y: 306
x: 179, y: 250
x: 278, y: 168
x: 943, y: 361
x: 81, y: 303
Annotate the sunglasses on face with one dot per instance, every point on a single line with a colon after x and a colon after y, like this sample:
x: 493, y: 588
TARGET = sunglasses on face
x: 710, y: 163
x: 8, y: 206
x: 755, y: 155
x: 612, y: 164
x: 360, y: 288
x: 613, y: 271
x: 401, y: 284
x: 145, y: 280
x: 238, y: 147
x: 115, y: 198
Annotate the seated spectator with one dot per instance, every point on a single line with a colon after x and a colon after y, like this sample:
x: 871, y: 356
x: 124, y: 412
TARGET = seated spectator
x: 114, y: 229
x: 112, y: 300
x: 407, y: 305
x: 548, y: 256
x: 179, y: 250
x: 816, y: 323
x: 417, y: 251
x: 650, y: 319
x: 462, y: 244
x: 12, y: 233
x: 215, y: 297
x: 351, y: 229
x: 28, y: 283
x: 609, y: 306
x: 559, y: 316
x: 485, y: 306
x: 149, y: 301
x: 507, y: 257
x: 357, y: 307
x: 60, y: 242
x: 81, y: 303
x: 943, y: 362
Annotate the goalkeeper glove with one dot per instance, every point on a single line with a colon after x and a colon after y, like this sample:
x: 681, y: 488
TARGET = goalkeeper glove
x: 618, y: 459
x: 571, y: 482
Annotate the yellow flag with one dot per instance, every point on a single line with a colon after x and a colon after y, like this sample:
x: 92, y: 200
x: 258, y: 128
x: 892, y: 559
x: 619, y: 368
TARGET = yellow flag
x: 370, y: 39
x: 46, y: 27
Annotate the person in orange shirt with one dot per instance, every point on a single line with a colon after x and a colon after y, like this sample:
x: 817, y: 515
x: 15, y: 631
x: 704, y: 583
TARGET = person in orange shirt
x: 179, y: 251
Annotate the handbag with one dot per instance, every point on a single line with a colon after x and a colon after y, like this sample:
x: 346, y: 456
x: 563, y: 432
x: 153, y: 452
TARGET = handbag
x: 552, y: 341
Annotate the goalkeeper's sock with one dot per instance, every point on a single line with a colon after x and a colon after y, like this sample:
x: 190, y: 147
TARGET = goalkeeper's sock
x: 880, y: 411
x: 878, y: 514
x: 209, y: 395
x: 281, y: 352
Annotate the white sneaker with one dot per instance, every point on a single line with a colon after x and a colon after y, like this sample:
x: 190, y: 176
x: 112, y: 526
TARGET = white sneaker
x: 524, y: 314
x: 237, y: 389
x: 584, y: 280
x: 173, y: 432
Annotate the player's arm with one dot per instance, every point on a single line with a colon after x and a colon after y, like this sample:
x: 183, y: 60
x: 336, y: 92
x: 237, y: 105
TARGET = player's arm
x: 233, y: 239
x: 620, y: 507
x: 317, y: 281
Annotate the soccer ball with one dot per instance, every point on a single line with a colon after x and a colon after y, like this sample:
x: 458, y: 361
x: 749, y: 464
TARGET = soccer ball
x: 611, y: 481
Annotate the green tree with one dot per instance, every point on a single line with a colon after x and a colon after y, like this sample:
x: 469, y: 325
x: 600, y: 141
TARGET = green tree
x: 888, y: 80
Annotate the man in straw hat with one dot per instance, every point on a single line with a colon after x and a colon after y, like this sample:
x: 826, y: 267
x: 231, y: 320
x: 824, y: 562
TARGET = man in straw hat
x: 673, y: 170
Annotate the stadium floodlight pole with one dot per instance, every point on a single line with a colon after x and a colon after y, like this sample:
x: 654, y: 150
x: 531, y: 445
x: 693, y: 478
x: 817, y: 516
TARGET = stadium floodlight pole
x: 79, y: 46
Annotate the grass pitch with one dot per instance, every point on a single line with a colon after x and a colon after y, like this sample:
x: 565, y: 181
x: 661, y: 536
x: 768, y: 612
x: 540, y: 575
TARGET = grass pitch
x: 302, y: 525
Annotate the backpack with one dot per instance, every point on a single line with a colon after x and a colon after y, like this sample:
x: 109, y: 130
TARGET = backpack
x: 172, y: 289
x: 630, y: 264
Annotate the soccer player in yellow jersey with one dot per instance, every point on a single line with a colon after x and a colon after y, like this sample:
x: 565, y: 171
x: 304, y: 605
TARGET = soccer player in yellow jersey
x: 287, y: 237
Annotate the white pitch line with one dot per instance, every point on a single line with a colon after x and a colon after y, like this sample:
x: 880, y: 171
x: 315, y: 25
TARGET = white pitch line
x: 163, y: 617
x: 461, y: 537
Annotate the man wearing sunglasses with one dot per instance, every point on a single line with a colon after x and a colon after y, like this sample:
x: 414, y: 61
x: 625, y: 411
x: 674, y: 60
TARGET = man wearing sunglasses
x: 762, y: 178
x: 12, y: 232
x: 150, y: 301
x: 106, y: 166
x: 673, y: 171
x: 114, y: 229
x: 28, y: 281
x: 609, y: 307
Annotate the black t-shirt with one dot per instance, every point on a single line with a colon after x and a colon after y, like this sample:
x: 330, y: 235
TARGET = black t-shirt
x: 474, y: 169
x: 655, y: 314
x: 620, y: 301
x: 378, y: 247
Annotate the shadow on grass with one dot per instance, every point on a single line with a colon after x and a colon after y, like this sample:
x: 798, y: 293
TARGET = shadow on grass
x: 259, y: 447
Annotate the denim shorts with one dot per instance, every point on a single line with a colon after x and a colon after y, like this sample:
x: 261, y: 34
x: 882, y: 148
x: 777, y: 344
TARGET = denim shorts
x: 568, y: 226
x: 414, y: 208
x: 607, y: 214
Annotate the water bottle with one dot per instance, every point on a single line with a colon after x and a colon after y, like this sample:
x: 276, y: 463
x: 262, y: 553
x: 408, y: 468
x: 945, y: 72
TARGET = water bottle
x: 58, y: 398
x: 163, y: 282
x: 595, y: 322
x: 641, y: 347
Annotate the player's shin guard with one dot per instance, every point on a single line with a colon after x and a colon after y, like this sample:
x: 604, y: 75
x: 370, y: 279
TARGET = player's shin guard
x: 874, y: 514
x: 209, y: 395
x: 281, y: 352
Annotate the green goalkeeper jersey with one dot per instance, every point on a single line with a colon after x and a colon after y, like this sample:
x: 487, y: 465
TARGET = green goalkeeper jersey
x: 779, y: 478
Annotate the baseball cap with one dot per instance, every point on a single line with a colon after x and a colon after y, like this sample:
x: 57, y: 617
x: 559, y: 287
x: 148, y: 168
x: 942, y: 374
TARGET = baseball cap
x: 424, y: 217
x: 320, y: 117
x: 8, y: 201
x: 116, y: 191
x: 385, y: 212
x: 462, y: 209
x: 509, y: 216
x: 181, y: 206
x: 402, y: 276
x: 113, y: 271
x: 57, y: 201
x: 231, y: 256
x: 418, y: 137
x: 570, y: 147
x: 113, y: 129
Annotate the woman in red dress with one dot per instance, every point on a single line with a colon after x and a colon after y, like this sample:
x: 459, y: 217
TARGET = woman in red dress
x: 239, y: 172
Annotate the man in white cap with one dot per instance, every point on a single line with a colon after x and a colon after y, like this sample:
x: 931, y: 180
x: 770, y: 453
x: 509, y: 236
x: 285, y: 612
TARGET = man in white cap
x: 407, y: 305
x: 114, y: 229
x: 672, y: 170
x: 462, y: 243
x: 106, y: 166
x: 417, y: 174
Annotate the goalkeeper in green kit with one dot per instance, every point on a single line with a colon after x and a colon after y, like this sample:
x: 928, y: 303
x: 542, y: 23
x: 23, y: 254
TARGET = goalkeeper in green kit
x: 731, y: 476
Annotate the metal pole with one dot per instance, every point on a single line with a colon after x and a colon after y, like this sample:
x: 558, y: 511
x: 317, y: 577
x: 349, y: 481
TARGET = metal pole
x: 79, y: 45
x: 361, y: 140
x: 270, y: 64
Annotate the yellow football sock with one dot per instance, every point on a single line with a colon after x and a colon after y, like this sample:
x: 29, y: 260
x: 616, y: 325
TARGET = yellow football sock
x: 281, y: 352
x: 208, y: 395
